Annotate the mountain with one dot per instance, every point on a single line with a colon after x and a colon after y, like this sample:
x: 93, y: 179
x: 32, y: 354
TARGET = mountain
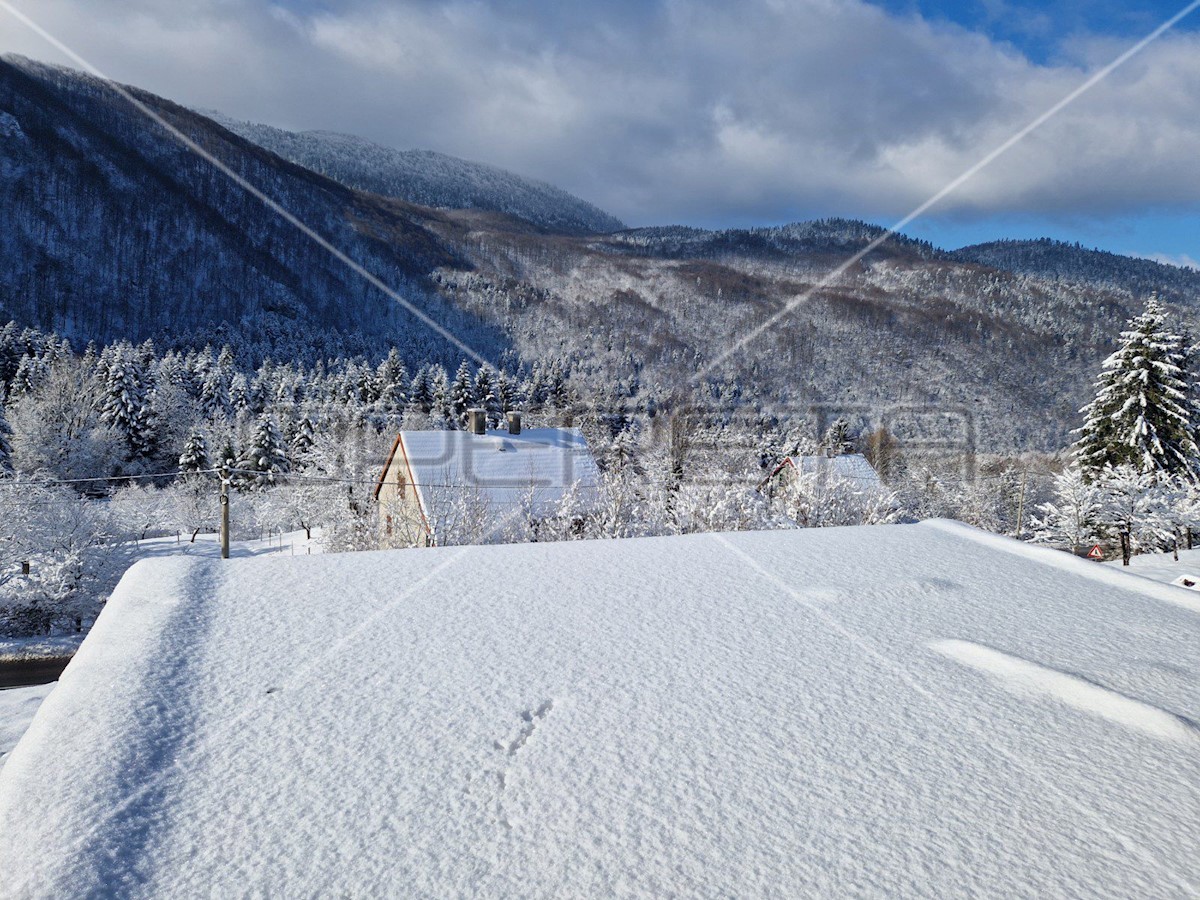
x: 427, y: 178
x: 1061, y: 261
x: 110, y: 228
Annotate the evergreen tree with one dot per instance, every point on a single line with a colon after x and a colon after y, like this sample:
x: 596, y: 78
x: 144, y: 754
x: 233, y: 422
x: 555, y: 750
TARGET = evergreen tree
x: 439, y: 388
x: 391, y: 378
x: 239, y: 393
x: 485, y: 395
x: 506, y: 393
x: 560, y: 395
x: 462, y: 394
x: 1142, y: 412
x: 837, y: 438
x: 31, y: 372
x: 227, y: 458
x: 125, y: 403
x: 302, y: 442
x: 420, y: 392
x: 265, y: 458
x: 6, y: 466
x: 214, y: 394
x: 195, y: 454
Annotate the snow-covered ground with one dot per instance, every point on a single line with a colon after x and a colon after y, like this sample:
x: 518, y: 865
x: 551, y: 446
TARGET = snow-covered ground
x: 1163, y: 566
x: 917, y: 710
x: 208, y: 546
x: 17, y: 706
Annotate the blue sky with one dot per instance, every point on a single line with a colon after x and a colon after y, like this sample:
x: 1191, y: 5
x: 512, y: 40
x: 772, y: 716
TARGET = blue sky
x: 1043, y: 32
x: 713, y: 113
x: 1039, y: 30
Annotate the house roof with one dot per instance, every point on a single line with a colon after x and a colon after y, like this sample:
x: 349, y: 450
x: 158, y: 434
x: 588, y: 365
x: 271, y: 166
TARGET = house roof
x: 850, y: 466
x: 534, y: 469
x: 907, y: 710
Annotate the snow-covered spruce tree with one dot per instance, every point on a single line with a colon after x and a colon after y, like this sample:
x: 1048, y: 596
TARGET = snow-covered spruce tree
x: 462, y: 394
x: 1132, y: 508
x: 506, y: 393
x: 1073, y: 517
x: 195, y: 454
x: 124, y: 402
x: 837, y: 438
x: 302, y: 442
x: 264, y: 459
x: 6, y: 466
x: 420, y: 394
x: 1142, y: 412
x: 31, y: 372
x: 439, y: 390
x: 485, y: 395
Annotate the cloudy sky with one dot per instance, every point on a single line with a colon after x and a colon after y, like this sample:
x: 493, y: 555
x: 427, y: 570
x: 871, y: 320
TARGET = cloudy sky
x: 715, y: 113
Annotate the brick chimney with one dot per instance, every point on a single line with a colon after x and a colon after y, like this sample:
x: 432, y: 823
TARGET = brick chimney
x: 477, y: 421
x: 514, y: 422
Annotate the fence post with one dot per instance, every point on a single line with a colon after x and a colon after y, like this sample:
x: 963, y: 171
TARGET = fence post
x: 224, y: 514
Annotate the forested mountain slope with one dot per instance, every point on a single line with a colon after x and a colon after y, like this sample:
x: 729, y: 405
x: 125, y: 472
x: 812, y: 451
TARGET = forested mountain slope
x: 428, y: 178
x: 110, y: 229
x: 1071, y: 262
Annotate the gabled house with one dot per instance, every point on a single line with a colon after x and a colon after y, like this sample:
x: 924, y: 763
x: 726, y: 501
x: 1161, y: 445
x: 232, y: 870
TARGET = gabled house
x: 482, y: 481
x: 851, y: 467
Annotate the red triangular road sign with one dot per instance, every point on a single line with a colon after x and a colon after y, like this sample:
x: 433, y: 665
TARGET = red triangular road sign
x: 1095, y: 552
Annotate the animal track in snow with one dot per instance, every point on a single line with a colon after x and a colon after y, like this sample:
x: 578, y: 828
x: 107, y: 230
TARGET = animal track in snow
x: 532, y: 718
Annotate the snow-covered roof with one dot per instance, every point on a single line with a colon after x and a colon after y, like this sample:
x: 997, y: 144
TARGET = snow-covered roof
x: 907, y: 710
x: 851, y: 466
x: 504, y: 471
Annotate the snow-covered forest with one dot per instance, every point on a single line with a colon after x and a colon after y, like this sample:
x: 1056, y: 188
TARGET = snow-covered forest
x: 112, y: 445
x: 104, y: 448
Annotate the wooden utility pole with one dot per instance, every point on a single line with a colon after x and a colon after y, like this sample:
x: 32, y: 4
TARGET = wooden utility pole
x: 1021, y: 504
x: 224, y: 473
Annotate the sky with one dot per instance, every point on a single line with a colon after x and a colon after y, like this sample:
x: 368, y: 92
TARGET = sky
x: 716, y: 114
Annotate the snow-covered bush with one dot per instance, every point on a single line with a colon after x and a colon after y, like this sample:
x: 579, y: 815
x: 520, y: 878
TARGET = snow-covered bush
x: 1133, y: 509
x: 821, y: 500
x: 1073, y: 518
x: 73, y: 553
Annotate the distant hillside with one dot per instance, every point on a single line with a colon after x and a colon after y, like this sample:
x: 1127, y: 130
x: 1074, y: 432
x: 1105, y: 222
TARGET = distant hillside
x: 822, y: 236
x: 427, y: 178
x: 1071, y: 262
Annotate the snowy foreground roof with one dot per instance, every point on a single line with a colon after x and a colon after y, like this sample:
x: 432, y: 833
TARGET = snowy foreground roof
x: 898, y: 710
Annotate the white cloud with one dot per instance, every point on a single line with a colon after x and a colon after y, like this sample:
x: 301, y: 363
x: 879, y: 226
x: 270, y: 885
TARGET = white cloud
x: 1182, y: 260
x: 680, y: 110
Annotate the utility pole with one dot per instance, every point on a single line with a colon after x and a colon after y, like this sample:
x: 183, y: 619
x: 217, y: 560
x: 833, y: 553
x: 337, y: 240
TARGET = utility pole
x: 224, y: 473
x: 1021, y: 503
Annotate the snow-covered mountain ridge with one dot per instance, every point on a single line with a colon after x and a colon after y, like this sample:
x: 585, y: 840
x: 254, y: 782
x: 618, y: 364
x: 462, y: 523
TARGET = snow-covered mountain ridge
x: 111, y: 230
x: 427, y: 178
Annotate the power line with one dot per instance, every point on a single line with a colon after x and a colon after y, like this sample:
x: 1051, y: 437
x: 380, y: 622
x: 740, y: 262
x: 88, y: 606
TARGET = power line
x: 52, y: 482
